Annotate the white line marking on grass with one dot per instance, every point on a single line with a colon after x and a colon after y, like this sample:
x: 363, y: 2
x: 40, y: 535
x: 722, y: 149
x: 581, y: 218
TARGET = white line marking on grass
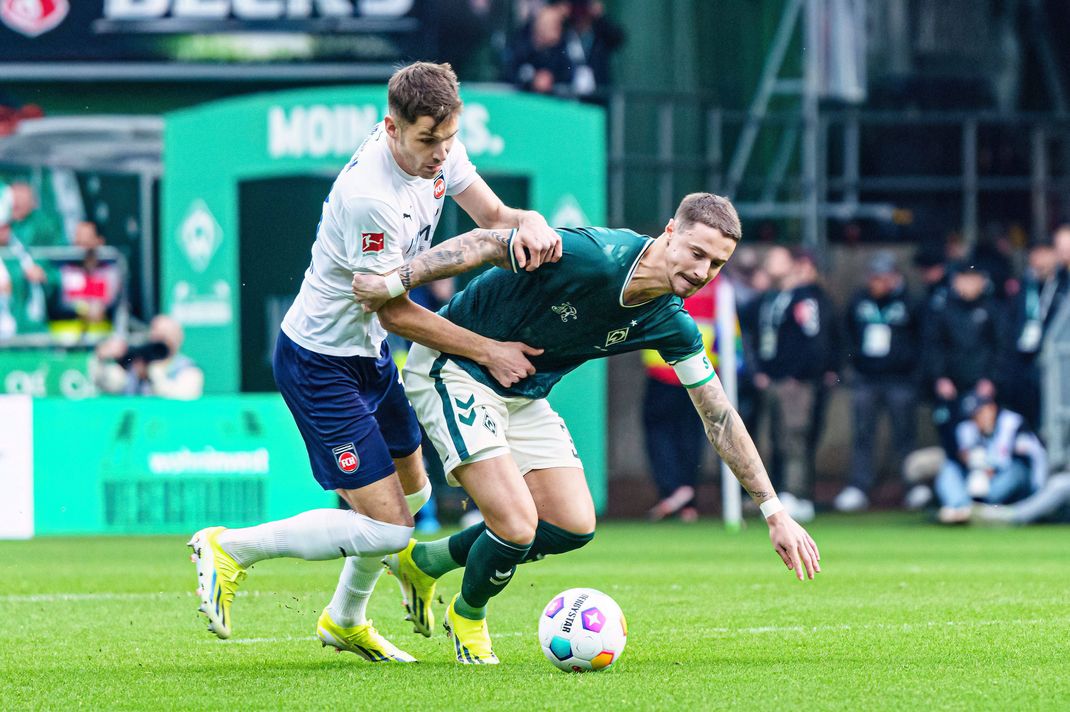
x: 905, y: 627
x: 74, y: 597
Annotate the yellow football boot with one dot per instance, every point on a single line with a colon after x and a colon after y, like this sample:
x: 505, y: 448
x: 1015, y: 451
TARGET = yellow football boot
x: 364, y: 640
x: 471, y: 640
x: 218, y: 578
x: 417, y: 589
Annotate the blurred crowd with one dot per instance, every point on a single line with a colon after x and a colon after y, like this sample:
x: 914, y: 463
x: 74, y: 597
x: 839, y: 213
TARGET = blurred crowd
x: 65, y: 288
x: 962, y: 347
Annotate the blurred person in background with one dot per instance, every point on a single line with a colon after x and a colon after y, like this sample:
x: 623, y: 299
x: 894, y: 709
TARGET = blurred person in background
x: 87, y: 292
x: 1048, y: 505
x: 156, y: 368
x: 534, y: 59
x: 882, y: 346
x: 998, y: 460
x: 961, y: 348
x: 1030, y: 314
x: 1060, y: 240
x: 590, y: 39
x: 30, y: 225
x: 27, y: 305
x: 795, y: 358
x: 749, y: 282
x: 673, y: 433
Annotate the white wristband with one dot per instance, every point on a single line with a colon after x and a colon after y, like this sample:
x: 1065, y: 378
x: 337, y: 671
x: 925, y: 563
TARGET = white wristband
x: 394, y: 287
x: 770, y: 507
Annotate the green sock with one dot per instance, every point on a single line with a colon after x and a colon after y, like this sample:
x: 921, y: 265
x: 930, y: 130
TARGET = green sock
x: 490, y: 566
x: 549, y: 539
x: 433, y: 557
x: 441, y: 556
x: 552, y: 539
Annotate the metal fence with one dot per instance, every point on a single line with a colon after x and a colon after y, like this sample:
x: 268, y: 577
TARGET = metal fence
x: 869, y: 164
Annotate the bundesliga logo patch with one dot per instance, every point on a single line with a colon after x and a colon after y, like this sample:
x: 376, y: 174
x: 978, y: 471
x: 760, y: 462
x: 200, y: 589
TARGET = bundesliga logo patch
x: 372, y: 242
x: 346, y: 458
x: 440, y: 186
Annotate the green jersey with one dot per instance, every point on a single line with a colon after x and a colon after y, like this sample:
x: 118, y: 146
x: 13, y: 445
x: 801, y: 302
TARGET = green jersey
x: 574, y: 310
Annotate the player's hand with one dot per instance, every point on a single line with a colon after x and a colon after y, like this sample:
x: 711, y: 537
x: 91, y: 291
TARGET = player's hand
x: 370, y: 291
x: 794, y: 545
x: 536, y: 239
x: 508, y: 361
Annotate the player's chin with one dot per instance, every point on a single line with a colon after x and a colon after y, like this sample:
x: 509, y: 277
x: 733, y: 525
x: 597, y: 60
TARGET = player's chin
x: 681, y: 287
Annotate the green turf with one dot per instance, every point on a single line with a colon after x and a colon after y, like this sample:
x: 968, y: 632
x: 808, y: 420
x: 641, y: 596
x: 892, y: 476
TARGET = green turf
x: 905, y: 616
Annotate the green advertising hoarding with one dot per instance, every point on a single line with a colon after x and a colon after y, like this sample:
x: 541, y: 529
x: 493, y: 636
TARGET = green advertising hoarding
x: 46, y: 372
x: 558, y: 147
x: 143, y: 465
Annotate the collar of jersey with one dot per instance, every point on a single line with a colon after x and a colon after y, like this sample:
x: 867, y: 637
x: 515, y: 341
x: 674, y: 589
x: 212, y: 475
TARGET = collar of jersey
x: 628, y: 279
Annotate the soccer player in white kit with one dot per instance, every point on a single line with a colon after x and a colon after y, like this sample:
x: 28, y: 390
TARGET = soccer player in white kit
x: 335, y: 371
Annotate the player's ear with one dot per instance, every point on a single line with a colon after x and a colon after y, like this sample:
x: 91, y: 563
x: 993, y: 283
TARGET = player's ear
x: 392, y: 128
x: 670, y: 227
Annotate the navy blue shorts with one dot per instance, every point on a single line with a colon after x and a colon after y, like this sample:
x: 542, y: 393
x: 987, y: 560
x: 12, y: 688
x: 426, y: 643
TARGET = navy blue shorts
x: 351, y: 411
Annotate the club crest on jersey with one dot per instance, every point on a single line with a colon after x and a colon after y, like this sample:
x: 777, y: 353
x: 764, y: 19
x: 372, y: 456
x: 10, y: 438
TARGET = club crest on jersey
x: 617, y: 336
x: 372, y: 242
x: 35, y: 17
x: 440, y: 186
x: 345, y: 456
x: 566, y: 311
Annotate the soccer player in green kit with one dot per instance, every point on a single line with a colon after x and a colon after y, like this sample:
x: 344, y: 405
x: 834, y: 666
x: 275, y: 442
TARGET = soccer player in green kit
x: 613, y: 291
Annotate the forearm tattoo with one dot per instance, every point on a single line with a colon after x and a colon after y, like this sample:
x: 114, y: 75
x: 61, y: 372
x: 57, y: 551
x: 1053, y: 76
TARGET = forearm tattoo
x: 729, y: 437
x: 457, y: 255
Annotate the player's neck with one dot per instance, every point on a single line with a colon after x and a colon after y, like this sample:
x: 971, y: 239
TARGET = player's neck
x: 649, y: 280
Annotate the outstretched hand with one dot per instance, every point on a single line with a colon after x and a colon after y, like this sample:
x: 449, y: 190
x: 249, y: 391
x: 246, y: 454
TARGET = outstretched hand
x: 794, y: 545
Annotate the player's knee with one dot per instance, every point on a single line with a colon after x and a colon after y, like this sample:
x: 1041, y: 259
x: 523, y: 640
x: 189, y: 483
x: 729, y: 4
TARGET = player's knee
x: 518, y: 528
x: 375, y: 538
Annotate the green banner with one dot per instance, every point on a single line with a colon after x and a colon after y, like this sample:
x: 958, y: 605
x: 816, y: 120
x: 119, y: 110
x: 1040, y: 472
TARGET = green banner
x: 46, y: 372
x: 143, y: 465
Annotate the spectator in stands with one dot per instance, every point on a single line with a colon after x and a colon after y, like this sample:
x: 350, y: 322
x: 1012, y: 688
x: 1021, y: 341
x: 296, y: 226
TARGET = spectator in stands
x: 535, y: 58
x: 961, y: 347
x: 749, y: 282
x: 590, y: 38
x: 87, y: 292
x: 1061, y: 242
x: 29, y: 306
x: 882, y: 345
x: 998, y: 460
x: 1031, y: 312
x: 796, y: 355
x: 30, y: 225
x: 674, y: 436
x: 156, y: 368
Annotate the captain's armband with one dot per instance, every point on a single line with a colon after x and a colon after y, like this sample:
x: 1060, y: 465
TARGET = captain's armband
x: 694, y: 370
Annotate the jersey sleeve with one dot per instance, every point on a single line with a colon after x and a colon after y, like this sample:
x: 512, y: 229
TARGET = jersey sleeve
x: 460, y: 172
x: 373, y: 236
x: 683, y: 349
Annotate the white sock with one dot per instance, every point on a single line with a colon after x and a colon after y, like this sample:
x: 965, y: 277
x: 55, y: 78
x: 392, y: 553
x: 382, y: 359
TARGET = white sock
x: 315, y: 535
x: 349, y: 604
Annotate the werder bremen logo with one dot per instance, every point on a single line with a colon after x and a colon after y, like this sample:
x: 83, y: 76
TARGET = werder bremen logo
x: 199, y: 235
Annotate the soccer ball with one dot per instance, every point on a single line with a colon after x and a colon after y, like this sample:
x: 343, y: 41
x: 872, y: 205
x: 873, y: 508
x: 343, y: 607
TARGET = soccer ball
x: 582, y: 629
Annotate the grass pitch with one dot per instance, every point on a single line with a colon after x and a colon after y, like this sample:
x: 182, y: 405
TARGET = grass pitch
x: 905, y: 616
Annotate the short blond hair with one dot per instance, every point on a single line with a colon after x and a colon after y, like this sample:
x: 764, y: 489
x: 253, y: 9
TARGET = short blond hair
x: 711, y: 210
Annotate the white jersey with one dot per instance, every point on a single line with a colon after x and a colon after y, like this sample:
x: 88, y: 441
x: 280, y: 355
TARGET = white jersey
x: 376, y: 218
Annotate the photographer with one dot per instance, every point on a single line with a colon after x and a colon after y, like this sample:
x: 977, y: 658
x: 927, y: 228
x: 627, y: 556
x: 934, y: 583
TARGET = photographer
x: 155, y: 368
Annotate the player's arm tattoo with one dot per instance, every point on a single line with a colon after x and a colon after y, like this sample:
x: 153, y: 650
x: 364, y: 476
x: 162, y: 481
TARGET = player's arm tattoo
x: 456, y: 255
x: 730, y: 438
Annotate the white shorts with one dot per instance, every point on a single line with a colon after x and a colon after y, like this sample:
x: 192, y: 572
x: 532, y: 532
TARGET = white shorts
x: 468, y: 422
